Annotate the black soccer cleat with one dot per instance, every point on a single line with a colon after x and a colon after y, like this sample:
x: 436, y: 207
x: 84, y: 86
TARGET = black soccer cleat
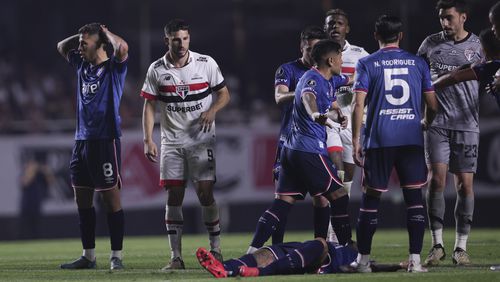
x: 80, y: 263
x: 115, y: 263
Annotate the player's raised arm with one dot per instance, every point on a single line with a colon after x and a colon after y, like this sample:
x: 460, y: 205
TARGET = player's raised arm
x: 67, y: 44
x: 454, y: 77
x: 120, y: 46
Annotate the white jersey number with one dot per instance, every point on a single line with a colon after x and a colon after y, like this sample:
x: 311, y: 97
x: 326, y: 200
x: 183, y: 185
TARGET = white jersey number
x: 390, y: 83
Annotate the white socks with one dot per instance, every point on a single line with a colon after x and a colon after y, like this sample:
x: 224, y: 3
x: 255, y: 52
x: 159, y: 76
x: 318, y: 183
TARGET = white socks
x: 437, y: 237
x: 174, y: 222
x: 89, y: 254
x: 461, y: 241
x: 211, y: 220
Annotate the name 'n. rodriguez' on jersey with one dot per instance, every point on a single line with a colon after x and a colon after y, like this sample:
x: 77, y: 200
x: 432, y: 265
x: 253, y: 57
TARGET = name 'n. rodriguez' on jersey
x: 184, y: 94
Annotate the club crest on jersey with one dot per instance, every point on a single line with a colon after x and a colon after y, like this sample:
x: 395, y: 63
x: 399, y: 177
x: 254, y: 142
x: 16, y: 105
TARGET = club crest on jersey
x: 469, y: 54
x: 311, y: 82
x: 167, y: 77
x: 182, y: 90
x: 280, y: 72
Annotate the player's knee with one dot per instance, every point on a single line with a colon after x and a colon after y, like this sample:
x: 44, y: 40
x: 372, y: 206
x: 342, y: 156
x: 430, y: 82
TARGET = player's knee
x: 205, y: 198
x: 413, y: 197
x: 320, y: 201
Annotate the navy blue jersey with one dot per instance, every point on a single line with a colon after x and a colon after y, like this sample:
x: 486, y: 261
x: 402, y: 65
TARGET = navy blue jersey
x: 288, y: 75
x: 485, y: 73
x: 337, y: 255
x: 99, y: 90
x: 305, y: 134
x: 394, y: 81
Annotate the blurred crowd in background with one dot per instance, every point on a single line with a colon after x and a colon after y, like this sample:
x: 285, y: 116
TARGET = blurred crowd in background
x: 249, y: 39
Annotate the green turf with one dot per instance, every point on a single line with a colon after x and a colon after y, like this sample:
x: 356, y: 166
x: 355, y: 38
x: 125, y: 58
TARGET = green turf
x: 144, y: 256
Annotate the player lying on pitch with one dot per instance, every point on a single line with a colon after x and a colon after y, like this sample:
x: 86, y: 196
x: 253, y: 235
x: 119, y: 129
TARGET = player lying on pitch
x: 315, y: 256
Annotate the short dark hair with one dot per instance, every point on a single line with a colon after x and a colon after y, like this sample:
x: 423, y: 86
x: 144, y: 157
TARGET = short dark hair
x: 312, y: 32
x: 490, y: 43
x: 460, y: 5
x: 175, y: 25
x: 95, y: 28
x: 388, y: 28
x: 337, y: 12
x: 323, y: 48
x: 495, y: 12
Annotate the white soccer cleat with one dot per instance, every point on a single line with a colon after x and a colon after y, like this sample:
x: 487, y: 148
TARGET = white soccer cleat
x: 414, y: 267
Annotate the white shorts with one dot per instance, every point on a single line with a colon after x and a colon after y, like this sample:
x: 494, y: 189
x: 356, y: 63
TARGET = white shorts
x: 196, y: 163
x: 340, y: 140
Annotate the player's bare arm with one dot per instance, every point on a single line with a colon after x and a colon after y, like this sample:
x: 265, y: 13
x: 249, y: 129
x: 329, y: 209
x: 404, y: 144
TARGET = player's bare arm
x: 208, y: 117
x: 357, y: 120
x: 336, y: 115
x: 454, y: 77
x: 309, y: 101
x: 148, y: 122
x: 431, y: 107
x: 120, y: 46
x: 67, y: 44
x: 282, y: 94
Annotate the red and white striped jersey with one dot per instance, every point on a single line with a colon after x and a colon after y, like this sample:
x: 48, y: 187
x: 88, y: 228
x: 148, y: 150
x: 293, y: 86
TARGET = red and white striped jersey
x: 350, y: 57
x: 183, y: 94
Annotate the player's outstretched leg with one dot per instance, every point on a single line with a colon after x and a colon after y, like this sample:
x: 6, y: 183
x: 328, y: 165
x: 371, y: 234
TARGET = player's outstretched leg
x: 210, y: 263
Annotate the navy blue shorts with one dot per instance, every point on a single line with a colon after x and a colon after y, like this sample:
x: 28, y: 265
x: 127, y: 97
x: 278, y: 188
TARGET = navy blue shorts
x: 409, y: 162
x: 303, y: 172
x: 96, y: 164
x: 282, y: 249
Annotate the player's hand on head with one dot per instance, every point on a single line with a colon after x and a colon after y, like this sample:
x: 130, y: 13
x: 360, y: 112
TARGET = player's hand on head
x: 151, y: 151
x: 206, y: 120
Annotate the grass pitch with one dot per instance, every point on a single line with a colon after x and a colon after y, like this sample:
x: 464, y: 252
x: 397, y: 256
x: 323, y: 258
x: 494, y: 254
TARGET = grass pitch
x: 39, y: 260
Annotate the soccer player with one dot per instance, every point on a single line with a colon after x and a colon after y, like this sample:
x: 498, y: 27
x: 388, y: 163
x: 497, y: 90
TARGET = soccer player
x: 95, y: 164
x: 305, y: 167
x: 483, y: 72
x: 182, y: 83
x: 391, y: 83
x: 286, y: 79
x: 339, y: 142
x: 315, y: 256
x: 453, y: 137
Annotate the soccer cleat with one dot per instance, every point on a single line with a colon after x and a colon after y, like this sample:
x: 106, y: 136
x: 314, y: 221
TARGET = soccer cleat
x: 246, y: 271
x: 217, y: 254
x: 435, y: 255
x: 210, y: 263
x: 356, y: 267
x: 415, y: 267
x: 460, y: 257
x: 81, y: 263
x: 175, y: 263
x: 115, y: 263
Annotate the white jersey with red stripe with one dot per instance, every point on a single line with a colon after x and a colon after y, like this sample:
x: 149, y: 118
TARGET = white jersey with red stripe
x: 183, y: 93
x: 350, y: 57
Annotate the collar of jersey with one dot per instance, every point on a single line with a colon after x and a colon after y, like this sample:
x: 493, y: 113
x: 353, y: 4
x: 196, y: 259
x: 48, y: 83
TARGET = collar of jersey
x: 170, y: 65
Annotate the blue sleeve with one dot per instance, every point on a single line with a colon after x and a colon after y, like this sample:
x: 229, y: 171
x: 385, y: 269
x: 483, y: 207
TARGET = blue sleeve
x: 426, y: 77
x: 74, y: 58
x: 310, y: 85
x: 282, y: 76
x: 362, y: 81
x: 121, y: 67
x: 339, y: 81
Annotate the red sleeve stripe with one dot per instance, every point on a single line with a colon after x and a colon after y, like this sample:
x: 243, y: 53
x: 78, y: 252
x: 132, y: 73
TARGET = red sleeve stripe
x: 348, y: 70
x: 192, y: 87
x: 361, y: 90
x: 148, y: 96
